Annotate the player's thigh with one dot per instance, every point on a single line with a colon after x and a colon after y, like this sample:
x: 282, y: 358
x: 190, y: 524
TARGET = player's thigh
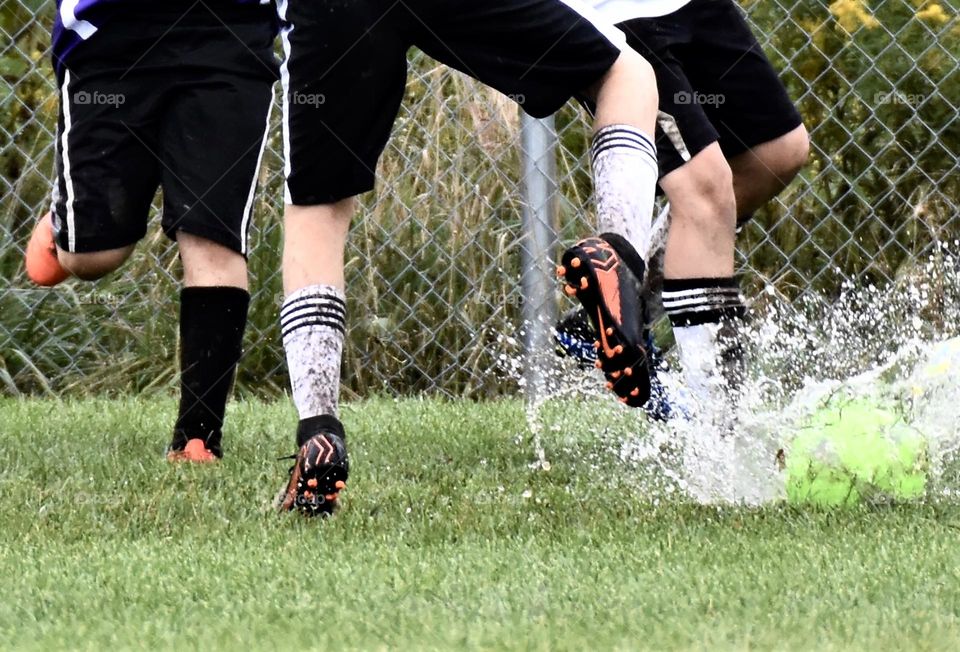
x: 740, y: 90
x: 538, y: 52
x: 344, y: 76
x: 215, y: 131
x: 107, y: 166
x: 683, y: 128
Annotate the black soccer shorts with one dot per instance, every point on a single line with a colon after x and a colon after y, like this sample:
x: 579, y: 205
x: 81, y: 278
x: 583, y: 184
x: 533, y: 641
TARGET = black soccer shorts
x: 345, y: 72
x: 715, y: 83
x: 163, y: 98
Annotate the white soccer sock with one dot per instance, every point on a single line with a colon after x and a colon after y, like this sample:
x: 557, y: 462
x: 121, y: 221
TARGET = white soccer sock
x: 625, y: 177
x: 312, y: 325
x: 704, y: 313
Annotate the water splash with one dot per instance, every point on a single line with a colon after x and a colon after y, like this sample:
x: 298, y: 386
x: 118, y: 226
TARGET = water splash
x: 890, y: 343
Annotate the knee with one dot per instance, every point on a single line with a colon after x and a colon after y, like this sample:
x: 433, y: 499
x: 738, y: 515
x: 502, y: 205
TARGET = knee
x: 631, y: 77
x: 94, y: 265
x: 702, y: 196
x: 208, y: 263
x: 790, y: 155
x: 631, y: 65
x: 637, y: 67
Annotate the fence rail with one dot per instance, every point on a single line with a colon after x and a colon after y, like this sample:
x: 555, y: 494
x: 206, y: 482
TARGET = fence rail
x: 436, y: 261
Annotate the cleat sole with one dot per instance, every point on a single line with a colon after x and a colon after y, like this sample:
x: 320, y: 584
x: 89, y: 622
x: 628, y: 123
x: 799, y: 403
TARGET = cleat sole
x: 581, y: 264
x: 318, y: 475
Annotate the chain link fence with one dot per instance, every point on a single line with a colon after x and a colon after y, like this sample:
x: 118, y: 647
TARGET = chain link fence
x: 436, y: 255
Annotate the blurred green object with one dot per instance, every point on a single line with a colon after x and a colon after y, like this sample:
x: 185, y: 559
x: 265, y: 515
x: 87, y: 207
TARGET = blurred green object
x: 854, y: 450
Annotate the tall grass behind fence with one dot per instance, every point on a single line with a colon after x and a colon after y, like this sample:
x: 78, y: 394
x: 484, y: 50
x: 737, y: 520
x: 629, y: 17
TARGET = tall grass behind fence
x: 434, y: 264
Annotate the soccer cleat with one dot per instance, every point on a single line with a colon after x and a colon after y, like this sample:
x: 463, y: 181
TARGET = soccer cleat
x: 605, y: 274
x: 575, y: 338
x: 40, y: 260
x: 195, y: 450
x: 319, y: 473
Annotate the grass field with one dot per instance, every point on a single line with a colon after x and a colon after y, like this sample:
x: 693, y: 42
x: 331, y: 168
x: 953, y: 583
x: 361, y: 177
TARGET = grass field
x: 448, y: 539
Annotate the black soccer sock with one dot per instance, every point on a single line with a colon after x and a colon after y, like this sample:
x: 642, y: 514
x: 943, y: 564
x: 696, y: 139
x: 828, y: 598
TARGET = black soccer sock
x: 705, y: 314
x: 212, y: 322
x: 695, y: 301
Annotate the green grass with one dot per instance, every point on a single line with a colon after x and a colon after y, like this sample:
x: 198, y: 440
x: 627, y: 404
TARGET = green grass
x: 448, y: 539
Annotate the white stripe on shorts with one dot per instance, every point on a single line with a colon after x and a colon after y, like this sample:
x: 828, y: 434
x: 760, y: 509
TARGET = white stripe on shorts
x: 248, y: 209
x: 285, y: 84
x: 65, y: 151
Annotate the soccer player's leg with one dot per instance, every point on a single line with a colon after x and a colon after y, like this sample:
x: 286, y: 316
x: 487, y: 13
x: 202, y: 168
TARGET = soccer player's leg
x: 106, y: 174
x: 343, y: 75
x: 214, y: 131
x: 213, y: 316
x: 606, y: 272
x: 542, y: 54
x: 47, y: 265
x: 758, y: 126
x: 700, y: 294
x: 763, y: 171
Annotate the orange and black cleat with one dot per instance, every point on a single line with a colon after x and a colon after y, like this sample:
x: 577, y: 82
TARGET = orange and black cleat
x: 320, y: 469
x: 195, y: 450
x: 605, y: 274
x: 40, y: 260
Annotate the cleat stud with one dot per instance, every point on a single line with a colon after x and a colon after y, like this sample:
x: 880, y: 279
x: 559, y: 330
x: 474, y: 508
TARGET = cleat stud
x: 330, y: 497
x: 618, y: 349
x: 598, y: 364
x: 584, y: 283
x: 312, y: 482
x: 623, y: 399
x: 570, y: 290
x: 609, y: 330
x: 628, y: 371
x: 596, y: 345
x: 609, y: 385
x: 308, y: 494
x: 561, y: 271
x: 615, y: 374
x: 575, y: 263
x: 340, y: 484
x: 635, y: 392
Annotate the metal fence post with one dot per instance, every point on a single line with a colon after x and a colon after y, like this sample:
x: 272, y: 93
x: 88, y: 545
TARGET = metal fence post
x: 539, y: 166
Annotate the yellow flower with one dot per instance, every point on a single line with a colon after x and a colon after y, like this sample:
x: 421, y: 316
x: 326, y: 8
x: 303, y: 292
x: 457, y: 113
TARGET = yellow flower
x: 934, y: 13
x: 851, y: 14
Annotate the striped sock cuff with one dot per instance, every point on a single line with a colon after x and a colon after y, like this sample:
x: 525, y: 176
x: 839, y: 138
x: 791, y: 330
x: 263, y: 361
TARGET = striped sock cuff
x: 620, y: 138
x: 314, y: 306
x: 695, y: 301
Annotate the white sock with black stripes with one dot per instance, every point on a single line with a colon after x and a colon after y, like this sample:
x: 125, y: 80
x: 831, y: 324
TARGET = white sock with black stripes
x: 705, y: 313
x: 625, y: 176
x: 312, y: 322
